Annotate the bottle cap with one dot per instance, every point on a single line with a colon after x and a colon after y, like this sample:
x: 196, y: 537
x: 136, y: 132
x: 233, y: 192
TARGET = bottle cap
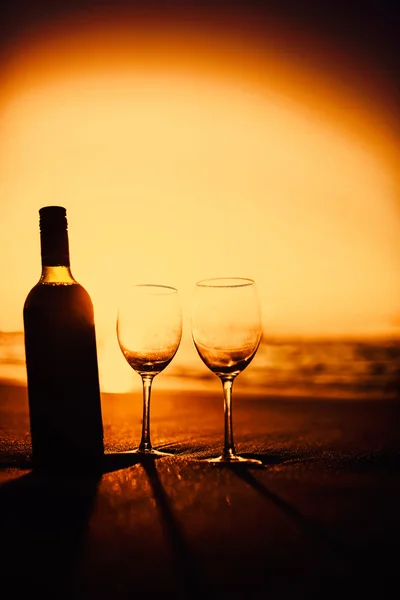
x: 54, y: 236
x: 53, y: 216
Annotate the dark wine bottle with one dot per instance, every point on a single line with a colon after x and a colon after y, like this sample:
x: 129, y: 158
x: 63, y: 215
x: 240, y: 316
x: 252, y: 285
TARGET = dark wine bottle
x: 61, y: 358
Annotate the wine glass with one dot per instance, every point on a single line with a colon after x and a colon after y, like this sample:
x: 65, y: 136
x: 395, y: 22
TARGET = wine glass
x: 226, y: 330
x: 149, y: 331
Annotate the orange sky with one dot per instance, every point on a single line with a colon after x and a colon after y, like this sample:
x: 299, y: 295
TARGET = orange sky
x: 179, y: 158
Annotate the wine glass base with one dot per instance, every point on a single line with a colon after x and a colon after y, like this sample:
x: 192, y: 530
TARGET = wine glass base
x: 234, y: 460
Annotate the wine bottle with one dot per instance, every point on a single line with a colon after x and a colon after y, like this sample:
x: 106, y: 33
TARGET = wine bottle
x: 61, y: 357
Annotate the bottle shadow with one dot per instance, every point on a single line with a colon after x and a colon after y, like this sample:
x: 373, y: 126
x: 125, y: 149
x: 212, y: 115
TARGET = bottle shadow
x: 112, y: 461
x: 43, y: 529
x: 44, y: 519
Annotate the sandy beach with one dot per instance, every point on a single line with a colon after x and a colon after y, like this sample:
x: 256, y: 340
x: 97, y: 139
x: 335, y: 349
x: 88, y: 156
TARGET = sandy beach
x: 191, y: 422
x: 320, y: 514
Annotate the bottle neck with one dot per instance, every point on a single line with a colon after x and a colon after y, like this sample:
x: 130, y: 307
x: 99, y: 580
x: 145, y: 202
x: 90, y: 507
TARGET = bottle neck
x: 59, y: 274
x: 54, y: 246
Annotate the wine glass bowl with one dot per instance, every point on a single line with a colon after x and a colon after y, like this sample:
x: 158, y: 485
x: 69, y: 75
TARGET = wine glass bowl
x: 149, y: 331
x: 226, y: 331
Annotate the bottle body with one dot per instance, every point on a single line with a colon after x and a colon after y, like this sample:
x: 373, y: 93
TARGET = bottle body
x: 62, y: 372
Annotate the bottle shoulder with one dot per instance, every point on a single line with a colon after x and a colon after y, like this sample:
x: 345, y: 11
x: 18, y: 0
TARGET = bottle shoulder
x: 45, y: 295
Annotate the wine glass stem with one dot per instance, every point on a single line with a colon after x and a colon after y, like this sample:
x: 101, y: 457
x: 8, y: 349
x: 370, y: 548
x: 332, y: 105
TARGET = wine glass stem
x: 145, y: 444
x: 229, y: 448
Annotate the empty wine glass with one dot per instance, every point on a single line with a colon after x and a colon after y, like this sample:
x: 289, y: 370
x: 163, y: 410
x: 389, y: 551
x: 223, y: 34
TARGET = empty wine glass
x: 149, y: 331
x: 226, y: 330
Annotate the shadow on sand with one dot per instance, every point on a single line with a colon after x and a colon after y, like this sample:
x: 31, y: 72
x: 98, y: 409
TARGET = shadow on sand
x: 44, y: 521
x: 310, y: 527
x: 45, y: 518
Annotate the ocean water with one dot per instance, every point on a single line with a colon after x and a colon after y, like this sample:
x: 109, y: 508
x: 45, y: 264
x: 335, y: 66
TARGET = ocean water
x: 330, y: 368
x: 368, y: 368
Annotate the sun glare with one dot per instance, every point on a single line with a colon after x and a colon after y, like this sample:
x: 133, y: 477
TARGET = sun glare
x: 178, y: 170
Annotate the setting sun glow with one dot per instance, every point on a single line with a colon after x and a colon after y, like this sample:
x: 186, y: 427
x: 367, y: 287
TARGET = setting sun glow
x: 178, y: 159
